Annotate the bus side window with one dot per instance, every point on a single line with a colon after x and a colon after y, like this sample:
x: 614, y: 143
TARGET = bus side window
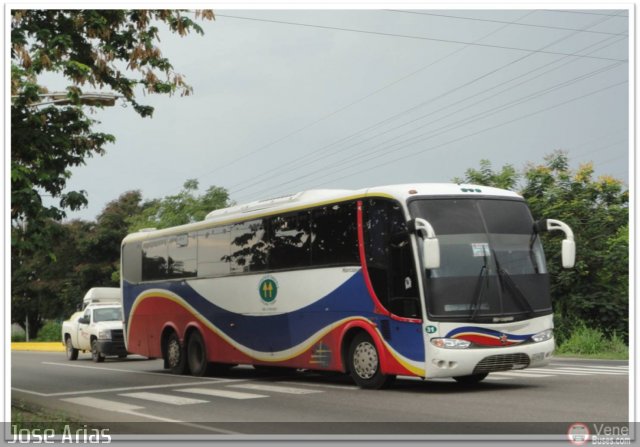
x: 182, y: 260
x: 213, y: 251
x: 290, y: 241
x: 154, y: 260
x: 334, y: 234
x: 248, y: 247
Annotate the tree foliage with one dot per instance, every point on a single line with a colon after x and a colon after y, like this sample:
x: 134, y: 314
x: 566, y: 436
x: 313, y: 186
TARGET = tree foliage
x: 78, y: 255
x: 113, y: 50
x: 182, y: 208
x: 596, y: 291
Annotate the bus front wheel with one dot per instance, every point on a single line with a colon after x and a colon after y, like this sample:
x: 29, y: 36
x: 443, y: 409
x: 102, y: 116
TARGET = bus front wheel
x: 174, y: 355
x: 364, y: 364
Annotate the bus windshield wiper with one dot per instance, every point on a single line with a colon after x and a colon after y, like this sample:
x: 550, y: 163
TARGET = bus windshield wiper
x: 505, y: 278
x: 479, y: 289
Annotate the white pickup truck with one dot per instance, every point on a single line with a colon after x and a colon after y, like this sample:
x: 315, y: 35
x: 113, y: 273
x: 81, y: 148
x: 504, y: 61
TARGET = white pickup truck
x: 97, y: 328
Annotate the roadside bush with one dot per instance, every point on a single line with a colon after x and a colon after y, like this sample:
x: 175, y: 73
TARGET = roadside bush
x: 592, y: 341
x: 50, y: 331
x: 18, y: 337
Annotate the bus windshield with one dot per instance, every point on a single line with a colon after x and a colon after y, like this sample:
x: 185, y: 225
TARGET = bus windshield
x: 492, y: 266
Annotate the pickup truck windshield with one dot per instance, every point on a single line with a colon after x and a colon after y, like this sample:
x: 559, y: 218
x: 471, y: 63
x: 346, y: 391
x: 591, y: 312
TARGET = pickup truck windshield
x: 492, y: 266
x: 108, y: 314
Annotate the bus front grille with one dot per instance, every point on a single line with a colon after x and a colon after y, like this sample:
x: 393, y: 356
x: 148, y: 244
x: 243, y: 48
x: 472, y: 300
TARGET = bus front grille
x: 502, y: 362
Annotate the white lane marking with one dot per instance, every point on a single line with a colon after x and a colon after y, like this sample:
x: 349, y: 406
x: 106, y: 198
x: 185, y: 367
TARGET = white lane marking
x: 114, y: 390
x: 322, y: 385
x: 594, y: 371
x: 164, y: 398
x: 573, y: 365
x: 557, y: 372
x: 118, y: 407
x: 221, y: 393
x: 273, y: 388
x: 212, y: 379
x: 29, y: 392
x: 519, y: 374
x: 102, y: 404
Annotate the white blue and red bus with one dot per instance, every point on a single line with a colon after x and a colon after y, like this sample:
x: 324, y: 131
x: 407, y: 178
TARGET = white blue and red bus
x: 427, y: 280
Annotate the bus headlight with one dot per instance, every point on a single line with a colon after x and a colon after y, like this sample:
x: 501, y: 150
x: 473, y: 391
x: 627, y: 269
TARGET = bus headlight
x: 104, y: 334
x: 450, y: 343
x: 543, y: 336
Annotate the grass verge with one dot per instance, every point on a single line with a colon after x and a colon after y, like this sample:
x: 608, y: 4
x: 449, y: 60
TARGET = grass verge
x: 25, y: 416
x: 593, y: 344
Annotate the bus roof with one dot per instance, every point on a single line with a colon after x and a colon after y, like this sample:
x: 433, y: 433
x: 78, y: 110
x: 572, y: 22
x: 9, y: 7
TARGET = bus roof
x: 319, y: 197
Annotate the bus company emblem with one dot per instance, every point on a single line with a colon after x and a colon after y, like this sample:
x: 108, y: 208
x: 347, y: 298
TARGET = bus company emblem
x: 503, y: 339
x: 268, y: 289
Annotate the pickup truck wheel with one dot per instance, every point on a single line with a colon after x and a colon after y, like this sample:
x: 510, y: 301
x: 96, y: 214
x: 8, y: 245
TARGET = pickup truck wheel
x: 95, y: 355
x: 174, y: 355
x: 72, y: 353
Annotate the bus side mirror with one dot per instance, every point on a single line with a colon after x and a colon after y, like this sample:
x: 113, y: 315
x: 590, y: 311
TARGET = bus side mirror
x: 568, y: 244
x: 431, y: 246
x: 568, y: 253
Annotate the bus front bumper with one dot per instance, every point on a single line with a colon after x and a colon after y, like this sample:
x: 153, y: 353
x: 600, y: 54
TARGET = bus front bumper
x: 464, y: 362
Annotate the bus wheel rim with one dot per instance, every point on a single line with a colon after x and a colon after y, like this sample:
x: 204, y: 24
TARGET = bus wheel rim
x: 173, y: 352
x: 365, y: 360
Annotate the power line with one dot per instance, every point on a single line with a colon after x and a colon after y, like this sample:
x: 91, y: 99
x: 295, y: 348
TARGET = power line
x: 405, y: 36
x: 335, y: 112
x: 586, y: 12
x: 501, y: 21
x: 288, y: 165
x: 282, y: 167
x: 384, y: 147
x: 479, y: 132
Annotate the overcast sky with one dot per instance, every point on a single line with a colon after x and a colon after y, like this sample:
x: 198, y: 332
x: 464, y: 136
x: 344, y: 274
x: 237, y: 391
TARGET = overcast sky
x: 296, y: 100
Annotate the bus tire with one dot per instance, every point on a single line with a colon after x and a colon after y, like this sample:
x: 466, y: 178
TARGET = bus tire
x: 72, y: 353
x: 364, y: 364
x: 197, y: 355
x: 174, y: 355
x: 471, y: 379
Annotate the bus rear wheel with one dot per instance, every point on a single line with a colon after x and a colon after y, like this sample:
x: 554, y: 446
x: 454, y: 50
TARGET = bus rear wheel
x: 197, y: 355
x: 174, y: 355
x: 471, y: 379
x: 364, y: 364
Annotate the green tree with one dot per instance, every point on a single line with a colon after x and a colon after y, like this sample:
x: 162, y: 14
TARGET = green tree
x: 182, y: 208
x: 112, y: 50
x: 596, y: 291
x: 507, y: 178
x: 78, y: 255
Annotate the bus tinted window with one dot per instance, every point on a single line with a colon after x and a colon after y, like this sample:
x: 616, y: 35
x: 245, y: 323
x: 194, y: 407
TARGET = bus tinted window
x: 248, y: 247
x: 154, y: 260
x: 290, y: 241
x: 334, y: 235
x: 213, y: 251
x: 132, y: 262
x: 182, y: 261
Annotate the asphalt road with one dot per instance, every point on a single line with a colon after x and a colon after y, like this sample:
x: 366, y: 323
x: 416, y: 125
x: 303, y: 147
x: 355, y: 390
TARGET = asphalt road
x: 137, y: 396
